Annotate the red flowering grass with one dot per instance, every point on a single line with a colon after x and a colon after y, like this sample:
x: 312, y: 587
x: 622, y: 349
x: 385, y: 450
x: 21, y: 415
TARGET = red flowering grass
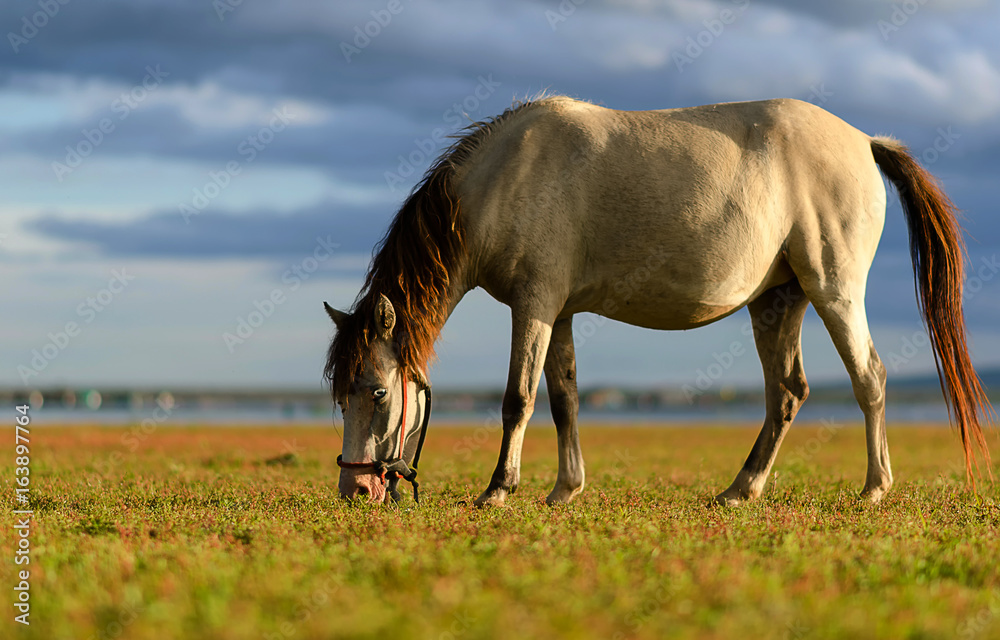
x: 195, y: 532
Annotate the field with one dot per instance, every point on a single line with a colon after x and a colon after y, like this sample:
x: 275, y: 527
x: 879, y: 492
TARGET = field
x: 194, y: 532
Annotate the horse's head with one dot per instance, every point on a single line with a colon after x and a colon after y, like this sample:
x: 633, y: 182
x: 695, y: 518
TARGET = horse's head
x: 383, y: 402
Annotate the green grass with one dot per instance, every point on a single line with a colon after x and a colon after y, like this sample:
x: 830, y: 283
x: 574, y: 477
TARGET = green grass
x: 238, y: 533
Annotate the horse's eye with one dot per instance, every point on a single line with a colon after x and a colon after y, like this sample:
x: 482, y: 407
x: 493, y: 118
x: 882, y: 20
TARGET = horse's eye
x: 379, y: 395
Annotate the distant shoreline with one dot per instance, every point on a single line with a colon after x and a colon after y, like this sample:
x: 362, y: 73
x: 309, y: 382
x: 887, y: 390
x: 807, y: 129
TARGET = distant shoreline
x: 739, y: 414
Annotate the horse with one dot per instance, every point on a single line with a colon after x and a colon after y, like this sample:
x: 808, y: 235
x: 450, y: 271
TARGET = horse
x: 667, y: 219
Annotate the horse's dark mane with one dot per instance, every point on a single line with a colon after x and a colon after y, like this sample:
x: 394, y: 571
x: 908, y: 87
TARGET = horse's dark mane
x: 413, y: 265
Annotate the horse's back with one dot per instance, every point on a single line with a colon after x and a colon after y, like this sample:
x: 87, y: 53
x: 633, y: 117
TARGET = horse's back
x: 677, y: 217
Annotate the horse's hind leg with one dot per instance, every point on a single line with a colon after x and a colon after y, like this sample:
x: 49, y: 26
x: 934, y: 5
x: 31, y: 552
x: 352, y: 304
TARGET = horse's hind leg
x: 845, y: 319
x: 777, y: 326
x: 560, y: 376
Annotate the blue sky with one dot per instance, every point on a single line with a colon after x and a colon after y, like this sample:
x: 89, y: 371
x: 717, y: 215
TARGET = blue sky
x: 173, y: 171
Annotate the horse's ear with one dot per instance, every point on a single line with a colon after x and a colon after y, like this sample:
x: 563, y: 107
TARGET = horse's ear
x: 338, y: 317
x: 385, y: 317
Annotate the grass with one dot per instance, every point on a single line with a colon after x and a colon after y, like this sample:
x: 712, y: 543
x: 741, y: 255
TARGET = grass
x: 238, y: 533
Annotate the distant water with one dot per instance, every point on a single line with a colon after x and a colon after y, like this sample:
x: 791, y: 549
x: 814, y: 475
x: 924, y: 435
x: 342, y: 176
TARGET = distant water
x: 737, y: 414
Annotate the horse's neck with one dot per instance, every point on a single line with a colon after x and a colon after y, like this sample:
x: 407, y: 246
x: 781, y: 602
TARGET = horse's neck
x: 457, y: 288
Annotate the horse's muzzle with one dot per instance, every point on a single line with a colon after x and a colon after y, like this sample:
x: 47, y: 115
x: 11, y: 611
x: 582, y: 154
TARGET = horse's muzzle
x: 356, y: 484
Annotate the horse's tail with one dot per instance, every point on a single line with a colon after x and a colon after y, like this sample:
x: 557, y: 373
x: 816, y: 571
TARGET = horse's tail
x: 937, y: 251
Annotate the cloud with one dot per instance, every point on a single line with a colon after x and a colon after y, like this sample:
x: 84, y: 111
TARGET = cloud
x: 862, y: 13
x: 617, y: 53
x: 222, y: 235
x: 359, y: 119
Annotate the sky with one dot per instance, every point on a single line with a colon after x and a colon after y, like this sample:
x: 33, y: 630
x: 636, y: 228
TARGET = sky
x: 184, y: 182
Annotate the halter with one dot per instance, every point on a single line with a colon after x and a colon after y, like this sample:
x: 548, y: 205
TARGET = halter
x: 396, y: 468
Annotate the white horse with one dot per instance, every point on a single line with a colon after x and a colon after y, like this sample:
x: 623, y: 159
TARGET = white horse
x: 666, y: 219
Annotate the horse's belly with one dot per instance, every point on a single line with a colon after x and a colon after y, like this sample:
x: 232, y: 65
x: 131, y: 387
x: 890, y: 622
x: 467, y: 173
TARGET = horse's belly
x: 660, y: 301
x: 669, y: 316
x: 655, y: 310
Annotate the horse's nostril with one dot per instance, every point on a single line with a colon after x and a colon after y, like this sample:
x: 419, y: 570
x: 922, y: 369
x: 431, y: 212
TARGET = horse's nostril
x: 363, y: 490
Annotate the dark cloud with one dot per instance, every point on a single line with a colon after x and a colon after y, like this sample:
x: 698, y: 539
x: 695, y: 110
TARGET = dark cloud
x: 403, y: 85
x: 359, y: 147
x: 213, y: 234
x: 426, y: 54
x: 863, y: 13
x: 939, y: 70
x: 432, y: 53
x: 844, y: 13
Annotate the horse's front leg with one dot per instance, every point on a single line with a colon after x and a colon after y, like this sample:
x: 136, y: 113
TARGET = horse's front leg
x: 529, y: 342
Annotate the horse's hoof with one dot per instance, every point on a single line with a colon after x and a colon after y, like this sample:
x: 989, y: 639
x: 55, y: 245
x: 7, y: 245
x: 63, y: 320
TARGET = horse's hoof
x: 562, y: 495
x: 733, y: 498
x: 492, y: 498
x: 726, y: 499
x: 873, y: 495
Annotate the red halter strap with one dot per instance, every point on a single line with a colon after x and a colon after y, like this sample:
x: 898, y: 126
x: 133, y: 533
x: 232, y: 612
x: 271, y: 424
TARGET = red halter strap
x: 402, y: 418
